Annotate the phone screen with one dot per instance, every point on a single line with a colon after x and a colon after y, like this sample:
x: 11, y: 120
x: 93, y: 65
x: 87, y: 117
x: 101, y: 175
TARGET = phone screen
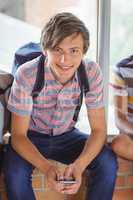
x: 67, y: 182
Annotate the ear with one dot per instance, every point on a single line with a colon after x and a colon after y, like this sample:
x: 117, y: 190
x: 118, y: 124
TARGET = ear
x: 45, y: 52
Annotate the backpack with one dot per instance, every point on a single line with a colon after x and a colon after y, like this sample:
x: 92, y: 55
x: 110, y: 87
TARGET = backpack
x: 6, y: 80
x: 22, y: 55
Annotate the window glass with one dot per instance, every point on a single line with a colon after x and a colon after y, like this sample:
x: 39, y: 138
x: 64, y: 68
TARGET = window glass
x: 121, y: 45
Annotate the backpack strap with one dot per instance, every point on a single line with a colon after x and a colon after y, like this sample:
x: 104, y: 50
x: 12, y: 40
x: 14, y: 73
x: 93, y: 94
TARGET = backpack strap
x: 40, y: 77
x: 83, y: 78
x: 84, y: 87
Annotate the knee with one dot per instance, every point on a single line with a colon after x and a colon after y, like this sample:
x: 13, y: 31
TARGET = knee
x: 119, y: 143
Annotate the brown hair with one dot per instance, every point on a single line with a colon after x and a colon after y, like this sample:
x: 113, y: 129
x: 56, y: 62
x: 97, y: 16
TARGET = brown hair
x: 61, y: 26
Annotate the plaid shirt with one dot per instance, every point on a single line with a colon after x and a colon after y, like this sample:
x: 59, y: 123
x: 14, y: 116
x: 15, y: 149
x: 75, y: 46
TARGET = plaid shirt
x: 53, y: 109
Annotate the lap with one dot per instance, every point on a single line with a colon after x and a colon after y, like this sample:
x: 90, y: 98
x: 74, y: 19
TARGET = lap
x: 64, y: 148
x: 67, y: 148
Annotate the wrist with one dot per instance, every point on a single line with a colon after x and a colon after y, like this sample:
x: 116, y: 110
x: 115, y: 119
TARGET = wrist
x: 45, y: 167
x: 81, y: 165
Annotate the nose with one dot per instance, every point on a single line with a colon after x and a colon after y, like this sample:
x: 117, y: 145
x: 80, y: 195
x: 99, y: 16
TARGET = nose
x: 62, y: 58
x: 65, y: 58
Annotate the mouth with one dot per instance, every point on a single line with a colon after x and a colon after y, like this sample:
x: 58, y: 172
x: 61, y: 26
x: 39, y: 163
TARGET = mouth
x: 65, y: 68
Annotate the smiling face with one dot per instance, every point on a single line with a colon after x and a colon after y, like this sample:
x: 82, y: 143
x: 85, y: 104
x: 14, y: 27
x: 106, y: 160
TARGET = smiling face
x: 65, y: 58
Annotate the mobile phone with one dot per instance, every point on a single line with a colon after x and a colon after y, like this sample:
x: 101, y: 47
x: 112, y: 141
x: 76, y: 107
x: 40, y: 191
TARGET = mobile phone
x: 67, y: 182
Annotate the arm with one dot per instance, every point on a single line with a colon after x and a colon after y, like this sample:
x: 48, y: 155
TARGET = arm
x: 121, y: 106
x: 21, y: 112
x: 96, y: 140
x: 23, y: 146
x: 96, y: 116
x: 92, y: 147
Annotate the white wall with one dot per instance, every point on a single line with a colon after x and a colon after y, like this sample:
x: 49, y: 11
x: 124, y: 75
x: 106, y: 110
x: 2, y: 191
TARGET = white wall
x: 39, y: 12
x: 13, y: 34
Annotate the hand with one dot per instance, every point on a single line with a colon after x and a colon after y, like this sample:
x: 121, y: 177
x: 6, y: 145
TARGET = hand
x: 72, y: 171
x: 53, y: 174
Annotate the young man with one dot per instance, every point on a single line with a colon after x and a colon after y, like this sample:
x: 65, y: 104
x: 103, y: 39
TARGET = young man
x: 43, y: 128
x: 123, y: 102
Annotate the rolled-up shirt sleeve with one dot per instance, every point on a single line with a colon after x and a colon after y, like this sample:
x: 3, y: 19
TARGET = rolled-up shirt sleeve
x: 118, y: 84
x: 94, y: 96
x: 20, y: 99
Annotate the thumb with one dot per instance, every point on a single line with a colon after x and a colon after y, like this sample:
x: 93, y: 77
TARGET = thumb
x: 60, y: 175
x: 68, y: 171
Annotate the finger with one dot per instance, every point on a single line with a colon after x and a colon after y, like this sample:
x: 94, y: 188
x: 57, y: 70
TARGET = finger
x: 59, y: 187
x: 59, y: 175
x: 71, y: 187
x: 70, y: 191
x: 55, y: 185
x: 68, y: 171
